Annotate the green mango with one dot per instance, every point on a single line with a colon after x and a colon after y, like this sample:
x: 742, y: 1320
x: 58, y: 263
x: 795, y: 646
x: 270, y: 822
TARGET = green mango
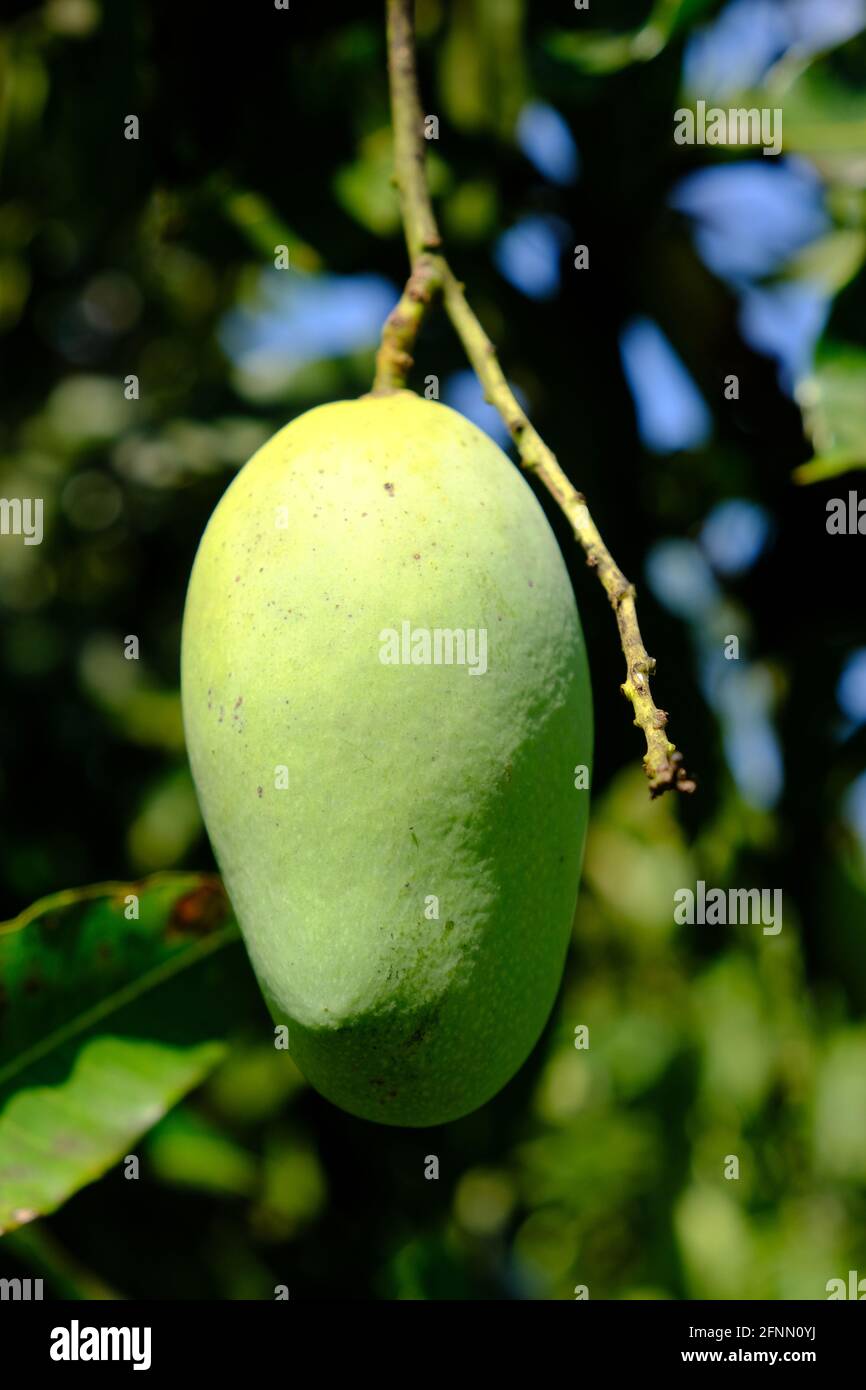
x: 400, y: 835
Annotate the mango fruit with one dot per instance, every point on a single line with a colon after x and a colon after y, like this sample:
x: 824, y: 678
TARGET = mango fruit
x: 385, y: 696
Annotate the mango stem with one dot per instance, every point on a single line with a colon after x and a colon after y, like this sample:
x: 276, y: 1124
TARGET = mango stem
x: 431, y: 276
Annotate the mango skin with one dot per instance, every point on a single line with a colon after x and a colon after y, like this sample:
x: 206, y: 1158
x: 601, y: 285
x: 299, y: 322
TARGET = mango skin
x: 404, y: 781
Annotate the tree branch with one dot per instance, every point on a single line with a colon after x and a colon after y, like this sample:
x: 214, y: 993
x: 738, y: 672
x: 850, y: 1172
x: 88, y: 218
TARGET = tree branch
x: 394, y: 358
x: 430, y: 273
x: 419, y: 222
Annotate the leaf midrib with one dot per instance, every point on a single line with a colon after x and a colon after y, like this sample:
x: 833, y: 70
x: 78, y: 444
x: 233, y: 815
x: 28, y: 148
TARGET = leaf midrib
x: 127, y: 994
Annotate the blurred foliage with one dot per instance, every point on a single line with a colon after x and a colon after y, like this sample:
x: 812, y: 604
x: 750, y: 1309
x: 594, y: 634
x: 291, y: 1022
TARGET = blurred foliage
x: 834, y: 406
x: 599, y: 51
x: 153, y: 258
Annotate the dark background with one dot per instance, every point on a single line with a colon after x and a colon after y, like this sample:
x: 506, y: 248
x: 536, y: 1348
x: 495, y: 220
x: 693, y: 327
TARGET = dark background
x: 262, y: 127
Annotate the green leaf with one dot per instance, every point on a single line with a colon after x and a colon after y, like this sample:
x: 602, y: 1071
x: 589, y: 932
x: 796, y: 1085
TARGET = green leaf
x: 106, y: 1021
x: 188, y: 1150
x: 38, y: 1248
x: 826, y: 120
x: 832, y: 261
x: 600, y: 50
x: 265, y: 230
x: 833, y: 402
x: 365, y: 188
x: 839, y: 1123
x: 482, y: 75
